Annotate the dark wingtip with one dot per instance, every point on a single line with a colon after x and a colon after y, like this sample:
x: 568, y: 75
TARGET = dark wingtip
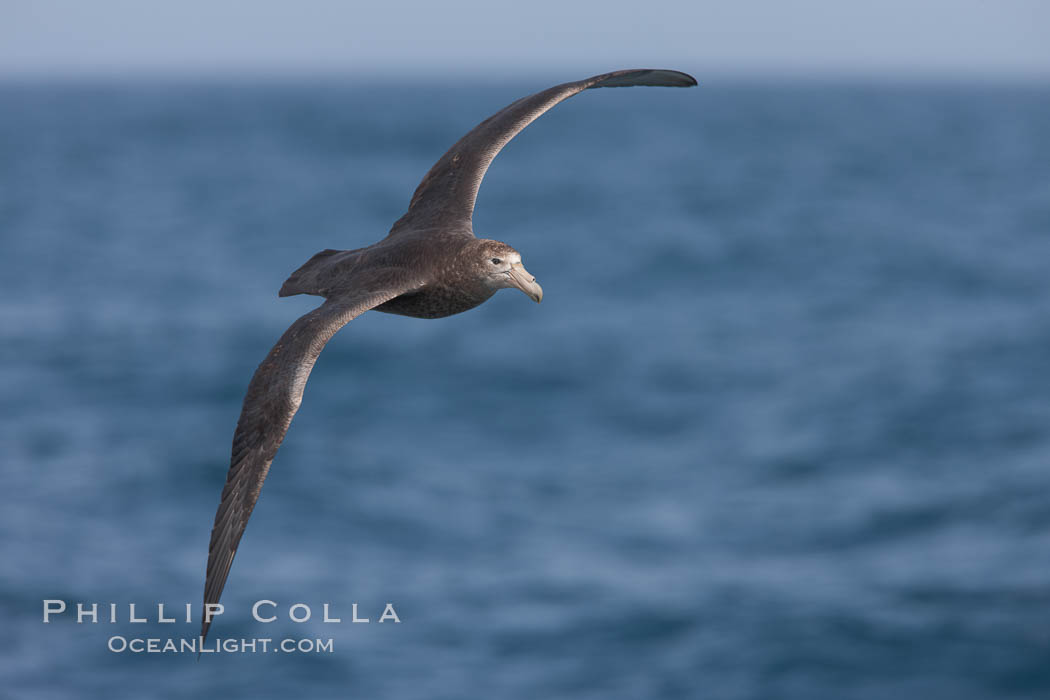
x: 658, y: 77
x: 680, y: 79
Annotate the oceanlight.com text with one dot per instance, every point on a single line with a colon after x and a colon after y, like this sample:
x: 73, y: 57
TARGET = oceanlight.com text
x: 194, y: 645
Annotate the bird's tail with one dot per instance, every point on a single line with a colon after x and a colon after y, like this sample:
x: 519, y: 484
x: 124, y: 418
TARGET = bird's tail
x: 304, y: 280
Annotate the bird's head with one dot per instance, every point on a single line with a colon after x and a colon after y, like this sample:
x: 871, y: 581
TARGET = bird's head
x: 501, y: 267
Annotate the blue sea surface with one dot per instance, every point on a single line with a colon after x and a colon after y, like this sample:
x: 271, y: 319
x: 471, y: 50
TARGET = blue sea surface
x: 780, y: 427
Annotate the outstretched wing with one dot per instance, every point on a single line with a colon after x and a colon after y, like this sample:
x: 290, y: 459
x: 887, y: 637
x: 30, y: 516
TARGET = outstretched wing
x: 445, y: 197
x: 273, y: 397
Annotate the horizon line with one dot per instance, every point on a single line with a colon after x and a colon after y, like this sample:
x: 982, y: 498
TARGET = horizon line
x: 715, y: 74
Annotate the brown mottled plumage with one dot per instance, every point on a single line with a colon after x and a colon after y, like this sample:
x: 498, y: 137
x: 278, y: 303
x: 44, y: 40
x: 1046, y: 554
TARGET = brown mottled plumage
x: 430, y: 265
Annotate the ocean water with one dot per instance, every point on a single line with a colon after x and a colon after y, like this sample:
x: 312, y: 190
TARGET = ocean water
x: 780, y: 427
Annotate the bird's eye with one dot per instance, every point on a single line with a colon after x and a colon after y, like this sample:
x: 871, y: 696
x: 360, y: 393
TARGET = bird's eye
x: 496, y: 261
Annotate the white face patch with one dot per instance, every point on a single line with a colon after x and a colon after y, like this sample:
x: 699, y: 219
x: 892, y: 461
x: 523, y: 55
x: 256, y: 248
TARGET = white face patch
x: 498, y: 274
x: 506, y: 261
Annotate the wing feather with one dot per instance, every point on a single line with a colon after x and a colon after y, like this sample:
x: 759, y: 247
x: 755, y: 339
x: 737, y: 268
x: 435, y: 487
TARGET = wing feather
x: 272, y: 399
x: 445, y: 198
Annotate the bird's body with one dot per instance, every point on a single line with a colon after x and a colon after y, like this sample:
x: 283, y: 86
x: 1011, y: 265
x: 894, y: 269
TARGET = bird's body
x: 430, y: 265
x: 442, y: 261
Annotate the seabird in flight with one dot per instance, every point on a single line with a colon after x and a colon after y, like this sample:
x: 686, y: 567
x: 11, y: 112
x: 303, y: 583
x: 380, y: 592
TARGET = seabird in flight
x: 430, y: 265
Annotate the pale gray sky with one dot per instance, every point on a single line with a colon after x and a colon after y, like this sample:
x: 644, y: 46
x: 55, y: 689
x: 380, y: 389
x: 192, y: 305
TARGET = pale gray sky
x: 958, y: 39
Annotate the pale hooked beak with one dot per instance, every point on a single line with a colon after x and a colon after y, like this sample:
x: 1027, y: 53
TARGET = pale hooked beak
x: 521, y: 279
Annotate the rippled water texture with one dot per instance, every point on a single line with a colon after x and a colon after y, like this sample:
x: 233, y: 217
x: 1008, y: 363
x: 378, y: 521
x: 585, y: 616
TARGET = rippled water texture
x: 778, y: 429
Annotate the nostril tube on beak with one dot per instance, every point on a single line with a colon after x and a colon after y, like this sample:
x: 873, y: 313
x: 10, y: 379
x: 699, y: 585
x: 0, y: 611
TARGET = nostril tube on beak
x: 526, y: 282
